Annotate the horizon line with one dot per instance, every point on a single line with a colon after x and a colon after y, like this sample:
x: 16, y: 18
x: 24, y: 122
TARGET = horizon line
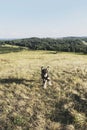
x: 42, y: 37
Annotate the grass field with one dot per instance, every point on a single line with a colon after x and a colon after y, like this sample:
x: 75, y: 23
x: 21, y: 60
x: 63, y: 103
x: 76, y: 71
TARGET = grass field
x: 25, y: 105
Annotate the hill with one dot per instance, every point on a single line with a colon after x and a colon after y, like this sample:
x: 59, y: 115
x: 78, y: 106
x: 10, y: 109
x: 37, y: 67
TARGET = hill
x: 25, y: 105
x: 66, y: 44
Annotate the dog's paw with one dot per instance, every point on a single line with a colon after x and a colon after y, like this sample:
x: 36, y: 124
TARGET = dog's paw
x: 50, y: 83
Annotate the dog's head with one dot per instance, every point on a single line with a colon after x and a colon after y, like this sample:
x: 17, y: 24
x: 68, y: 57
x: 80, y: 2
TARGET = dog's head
x: 44, y: 71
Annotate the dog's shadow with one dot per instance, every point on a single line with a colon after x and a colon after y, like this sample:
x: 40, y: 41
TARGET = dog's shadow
x: 17, y: 81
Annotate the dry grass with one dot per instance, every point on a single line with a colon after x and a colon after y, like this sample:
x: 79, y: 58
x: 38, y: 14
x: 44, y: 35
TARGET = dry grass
x: 25, y: 105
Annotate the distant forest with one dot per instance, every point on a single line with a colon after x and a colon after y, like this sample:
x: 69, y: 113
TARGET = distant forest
x: 67, y: 44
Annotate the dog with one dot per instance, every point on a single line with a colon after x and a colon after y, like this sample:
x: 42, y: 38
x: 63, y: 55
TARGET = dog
x: 45, y: 76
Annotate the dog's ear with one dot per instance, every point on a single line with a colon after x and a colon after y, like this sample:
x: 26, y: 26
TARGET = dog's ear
x: 48, y: 67
x: 42, y: 67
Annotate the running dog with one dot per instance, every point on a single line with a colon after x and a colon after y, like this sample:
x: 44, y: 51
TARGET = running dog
x: 45, y: 76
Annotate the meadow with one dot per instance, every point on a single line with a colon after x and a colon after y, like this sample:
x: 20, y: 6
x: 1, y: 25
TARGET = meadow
x: 25, y: 105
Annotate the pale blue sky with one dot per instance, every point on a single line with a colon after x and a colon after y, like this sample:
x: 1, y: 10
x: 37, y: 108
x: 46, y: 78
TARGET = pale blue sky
x: 43, y: 18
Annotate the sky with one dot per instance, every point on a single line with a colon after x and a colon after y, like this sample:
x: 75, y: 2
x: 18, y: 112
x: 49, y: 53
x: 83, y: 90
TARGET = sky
x: 43, y: 18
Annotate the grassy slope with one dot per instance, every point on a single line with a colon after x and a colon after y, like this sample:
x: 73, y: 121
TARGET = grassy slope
x: 25, y: 105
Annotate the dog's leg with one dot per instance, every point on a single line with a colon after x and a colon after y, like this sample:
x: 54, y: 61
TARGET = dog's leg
x: 49, y: 82
x: 45, y: 84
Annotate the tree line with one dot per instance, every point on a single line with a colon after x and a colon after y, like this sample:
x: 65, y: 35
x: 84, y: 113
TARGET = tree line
x: 68, y: 44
